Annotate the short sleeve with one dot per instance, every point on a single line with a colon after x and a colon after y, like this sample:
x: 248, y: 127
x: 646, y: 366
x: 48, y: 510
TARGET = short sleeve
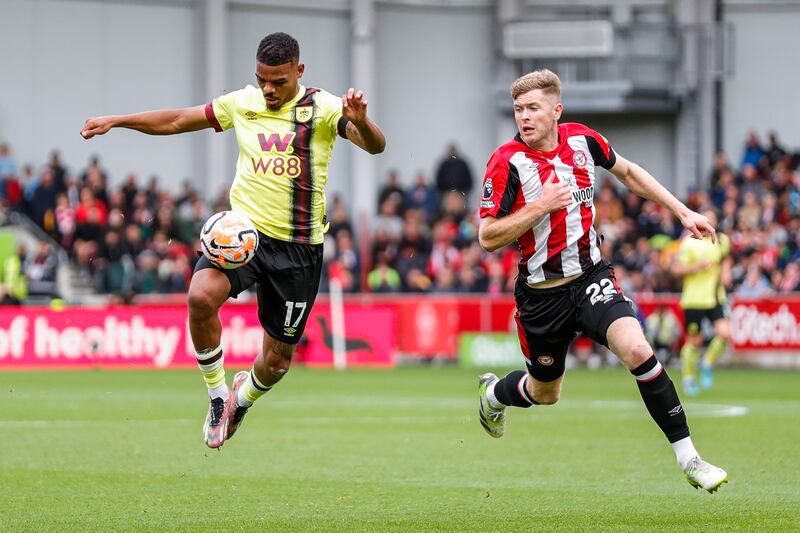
x: 724, y: 244
x: 686, y: 255
x: 601, y: 150
x: 500, y: 187
x: 330, y: 107
x: 220, y: 111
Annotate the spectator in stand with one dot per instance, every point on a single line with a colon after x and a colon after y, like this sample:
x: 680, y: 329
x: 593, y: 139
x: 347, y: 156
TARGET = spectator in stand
x: 146, y: 279
x: 8, y: 167
x: 65, y: 220
x: 753, y: 152
x: 721, y: 166
x: 152, y: 192
x: 648, y: 221
x: 775, y: 152
x: 453, y: 173
x: 42, y: 202
x: 94, y: 168
x: 130, y: 190
x: 445, y: 282
x: 417, y: 281
x: 383, y: 277
x: 422, y: 196
x: 454, y: 207
x: 750, y: 182
x: 222, y: 201
x: 90, y: 204
x: 496, y: 278
x: 392, y: 190
x: 717, y: 193
x: 115, y: 265
x: 414, y: 251
x: 340, y: 218
x: 347, y: 255
x: 134, y: 243
x: 443, y: 252
x: 790, y: 280
x: 191, y: 221
x: 471, y: 280
x: 749, y: 214
x: 755, y: 284
x: 40, y: 270
x: 388, y: 220
x: 59, y: 172
x: 12, y: 189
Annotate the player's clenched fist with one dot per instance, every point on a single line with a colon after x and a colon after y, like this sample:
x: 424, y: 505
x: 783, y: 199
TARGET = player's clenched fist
x: 96, y: 126
x: 555, y: 194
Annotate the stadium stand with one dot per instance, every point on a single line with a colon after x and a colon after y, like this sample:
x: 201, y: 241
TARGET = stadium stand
x: 142, y: 239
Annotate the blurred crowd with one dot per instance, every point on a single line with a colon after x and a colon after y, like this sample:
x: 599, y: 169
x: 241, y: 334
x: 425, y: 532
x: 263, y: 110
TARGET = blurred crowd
x: 424, y: 237
x: 123, y: 241
x: 142, y: 239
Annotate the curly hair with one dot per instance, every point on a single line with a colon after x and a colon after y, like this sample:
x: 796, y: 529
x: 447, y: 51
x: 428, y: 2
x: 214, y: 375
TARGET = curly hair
x: 278, y: 49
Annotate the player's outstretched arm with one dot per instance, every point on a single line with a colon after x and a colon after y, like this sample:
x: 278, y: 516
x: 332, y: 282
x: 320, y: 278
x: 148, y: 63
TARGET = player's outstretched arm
x: 361, y: 131
x: 494, y: 233
x: 645, y: 185
x: 164, y: 122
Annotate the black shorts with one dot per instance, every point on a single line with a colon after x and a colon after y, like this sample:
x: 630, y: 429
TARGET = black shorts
x: 288, y: 277
x: 549, y: 319
x: 694, y: 317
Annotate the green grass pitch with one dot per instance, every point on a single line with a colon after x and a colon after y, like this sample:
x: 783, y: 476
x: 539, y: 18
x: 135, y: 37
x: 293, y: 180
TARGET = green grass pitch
x: 388, y: 450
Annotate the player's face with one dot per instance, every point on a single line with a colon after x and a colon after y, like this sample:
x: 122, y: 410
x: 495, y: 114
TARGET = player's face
x: 536, y: 114
x: 278, y: 83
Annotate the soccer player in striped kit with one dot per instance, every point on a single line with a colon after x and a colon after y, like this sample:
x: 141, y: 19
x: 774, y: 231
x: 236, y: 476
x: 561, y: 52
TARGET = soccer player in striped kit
x: 286, y: 134
x: 538, y: 190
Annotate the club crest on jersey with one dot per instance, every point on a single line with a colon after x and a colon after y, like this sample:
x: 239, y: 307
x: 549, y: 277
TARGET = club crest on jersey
x: 545, y: 360
x: 303, y: 113
x: 579, y: 158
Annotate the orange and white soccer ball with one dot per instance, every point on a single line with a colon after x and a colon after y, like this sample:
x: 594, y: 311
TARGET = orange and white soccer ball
x: 229, y: 239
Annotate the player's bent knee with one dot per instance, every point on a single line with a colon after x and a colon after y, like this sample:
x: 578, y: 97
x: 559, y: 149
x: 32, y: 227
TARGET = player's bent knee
x: 638, y: 354
x: 280, y: 359
x: 202, y: 302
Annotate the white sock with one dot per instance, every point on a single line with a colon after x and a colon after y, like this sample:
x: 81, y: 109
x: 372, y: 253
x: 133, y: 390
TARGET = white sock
x: 684, y: 451
x: 219, y: 392
x: 493, y: 402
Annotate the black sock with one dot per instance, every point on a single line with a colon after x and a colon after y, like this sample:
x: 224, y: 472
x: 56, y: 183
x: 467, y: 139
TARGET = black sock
x: 510, y: 390
x: 661, y: 400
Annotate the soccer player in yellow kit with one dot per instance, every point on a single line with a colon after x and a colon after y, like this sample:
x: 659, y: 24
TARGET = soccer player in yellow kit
x: 705, y: 267
x: 285, y: 133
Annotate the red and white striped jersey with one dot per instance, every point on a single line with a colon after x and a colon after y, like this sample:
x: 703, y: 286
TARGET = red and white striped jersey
x: 562, y: 243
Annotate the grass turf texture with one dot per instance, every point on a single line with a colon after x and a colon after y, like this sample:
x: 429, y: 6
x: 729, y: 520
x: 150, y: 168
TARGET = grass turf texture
x: 397, y: 450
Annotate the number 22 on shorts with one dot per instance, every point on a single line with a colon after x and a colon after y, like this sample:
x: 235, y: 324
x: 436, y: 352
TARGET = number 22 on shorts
x: 601, y: 291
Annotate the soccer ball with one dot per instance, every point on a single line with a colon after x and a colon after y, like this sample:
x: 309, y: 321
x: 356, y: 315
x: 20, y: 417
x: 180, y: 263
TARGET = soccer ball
x: 229, y: 239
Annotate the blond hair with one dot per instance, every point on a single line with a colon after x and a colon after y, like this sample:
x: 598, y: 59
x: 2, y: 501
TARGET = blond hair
x: 543, y: 79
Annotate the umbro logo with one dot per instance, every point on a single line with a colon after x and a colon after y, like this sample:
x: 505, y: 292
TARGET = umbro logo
x: 251, y: 115
x: 675, y: 410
